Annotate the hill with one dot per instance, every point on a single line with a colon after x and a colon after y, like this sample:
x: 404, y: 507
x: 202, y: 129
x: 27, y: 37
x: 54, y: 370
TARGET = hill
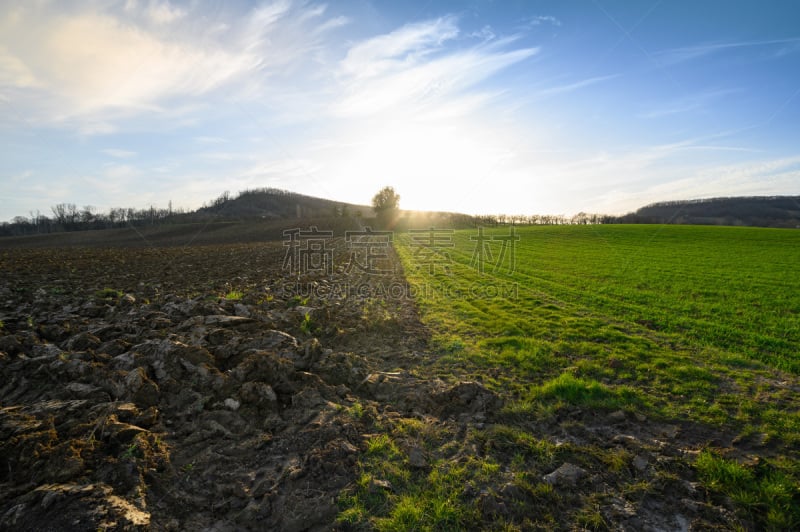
x: 258, y: 205
x: 764, y: 211
x: 277, y: 208
x: 276, y: 204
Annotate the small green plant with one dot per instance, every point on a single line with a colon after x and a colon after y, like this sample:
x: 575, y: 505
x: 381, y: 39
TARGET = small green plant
x: 375, y: 314
x: 158, y: 442
x: 297, y: 301
x: 307, y: 326
x: 356, y: 410
x: 576, y: 390
x: 382, y: 445
x: 130, y: 452
x: 234, y: 295
x: 2, y: 325
x: 108, y: 294
x: 769, y: 496
x: 592, y: 519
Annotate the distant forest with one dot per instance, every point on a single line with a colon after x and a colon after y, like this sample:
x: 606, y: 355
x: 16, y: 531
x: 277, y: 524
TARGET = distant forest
x: 756, y: 211
x: 277, y: 204
x: 260, y: 203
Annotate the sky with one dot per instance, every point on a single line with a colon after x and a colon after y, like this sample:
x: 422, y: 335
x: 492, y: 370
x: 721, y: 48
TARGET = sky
x: 481, y: 107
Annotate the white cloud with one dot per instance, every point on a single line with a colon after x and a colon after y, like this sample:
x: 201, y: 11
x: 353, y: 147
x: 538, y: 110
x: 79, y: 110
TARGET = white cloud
x: 543, y: 19
x: 162, y: 12
x: 694, y: 102
x: 485, y: 34
x: 407, y: 69
x: 399, y: 48
x: 576, y: 85
x: 688, y: 53
x: 14, y: 72
x: 765, y: 177
x: 94, y: 66
x: 643, y: 180
x: 91, y: 62
x: 428, y: 83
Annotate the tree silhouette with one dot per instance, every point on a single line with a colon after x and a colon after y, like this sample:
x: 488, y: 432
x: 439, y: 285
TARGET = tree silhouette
x: 386, y: 204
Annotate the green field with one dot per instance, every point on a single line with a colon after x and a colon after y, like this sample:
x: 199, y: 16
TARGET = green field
x: 695, y: 328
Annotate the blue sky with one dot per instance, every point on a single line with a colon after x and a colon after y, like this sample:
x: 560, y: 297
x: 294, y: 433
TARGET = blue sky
x: 479, y: 107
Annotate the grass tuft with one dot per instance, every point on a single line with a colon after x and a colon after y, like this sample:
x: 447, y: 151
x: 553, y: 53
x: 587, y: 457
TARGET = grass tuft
x: 108, y: 294
x: 769, y: 497
x: 234, y: 295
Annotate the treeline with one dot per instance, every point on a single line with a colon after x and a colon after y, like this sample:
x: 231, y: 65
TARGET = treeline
x: 582, y: 218
x: 755, y: 211
x: 273, y: 203
x: 69, y: 217
x: 258, y: 203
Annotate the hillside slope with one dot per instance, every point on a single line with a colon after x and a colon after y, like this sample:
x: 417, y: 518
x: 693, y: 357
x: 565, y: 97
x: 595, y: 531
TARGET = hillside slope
x: 774, y: 211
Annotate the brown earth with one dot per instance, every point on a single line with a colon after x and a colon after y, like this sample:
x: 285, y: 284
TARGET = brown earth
x: 135, y: 396
x: 166, y: 405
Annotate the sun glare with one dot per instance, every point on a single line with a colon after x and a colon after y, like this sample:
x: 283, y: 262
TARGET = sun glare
x: 434, y: 166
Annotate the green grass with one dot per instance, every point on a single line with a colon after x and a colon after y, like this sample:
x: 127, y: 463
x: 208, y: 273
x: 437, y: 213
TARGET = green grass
x: 765, y: 494
x: 234, y: 295
x: 679, y: 324
x: 584, y: 392
x: 413, y: 499
x: 108, y: 294
x: 674, y: 309
x: 297, y: 301
x: 307, y: 326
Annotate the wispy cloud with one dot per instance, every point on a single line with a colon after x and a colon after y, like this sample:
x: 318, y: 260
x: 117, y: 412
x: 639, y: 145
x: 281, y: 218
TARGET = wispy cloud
x: 540, y: 20
x: 408, y: 68
x: 94, y: 61
x: 162, y: 12
x: 98, y: 65
x: 769, y: 176
x: 157, y: 11
x: 576, y: 85
x: 688, y: 53
x: 689, y: 103
x: 401, y: 47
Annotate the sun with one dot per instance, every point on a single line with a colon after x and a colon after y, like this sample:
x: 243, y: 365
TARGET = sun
x: 433, y: 165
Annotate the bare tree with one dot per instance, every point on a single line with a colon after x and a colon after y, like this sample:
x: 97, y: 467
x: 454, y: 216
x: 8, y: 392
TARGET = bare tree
x: 87, y: 215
